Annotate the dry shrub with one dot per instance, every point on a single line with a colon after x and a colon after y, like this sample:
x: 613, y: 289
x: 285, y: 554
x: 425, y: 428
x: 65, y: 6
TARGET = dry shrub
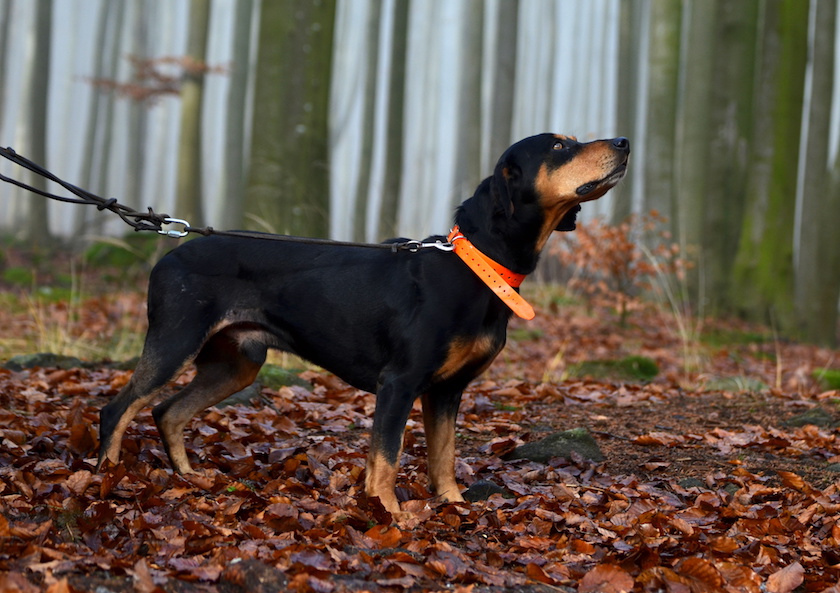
x: 617, y: 266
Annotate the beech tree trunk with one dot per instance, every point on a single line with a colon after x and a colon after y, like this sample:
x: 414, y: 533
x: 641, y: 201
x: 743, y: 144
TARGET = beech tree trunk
x: 818, y: 263
x: 663, y: 97
x: 730, y: 123
x: 504, y: 79
x: 288, y: 181
x: 188, y: 187
x: 394, y: 136
x: 37, y: 229
x: 235, y: 125
x: 763, y: 272
x: 629, y: 62
x: 371, y: 53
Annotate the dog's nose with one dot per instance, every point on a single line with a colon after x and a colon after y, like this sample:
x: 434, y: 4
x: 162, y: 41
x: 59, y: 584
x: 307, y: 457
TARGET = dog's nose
x: 621, y: 143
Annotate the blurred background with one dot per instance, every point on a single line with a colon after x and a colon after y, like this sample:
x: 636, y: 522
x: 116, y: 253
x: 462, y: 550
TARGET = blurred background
x: 364, y: 119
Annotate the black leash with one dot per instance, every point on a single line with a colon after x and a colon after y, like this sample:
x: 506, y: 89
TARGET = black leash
x: 152, y: 221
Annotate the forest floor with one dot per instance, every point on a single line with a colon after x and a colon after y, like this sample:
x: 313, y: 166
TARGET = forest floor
x: 720, y: 474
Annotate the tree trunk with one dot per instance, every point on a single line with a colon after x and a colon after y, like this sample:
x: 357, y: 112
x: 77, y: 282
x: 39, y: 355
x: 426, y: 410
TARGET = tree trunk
x: 5, y: 33
x: 394, y: 135
x: 96, y: 152
x: 468, y: 157
x: 832, y: 257
x: 763, y: 270
x: 730, y: 123
x: 663, y: 89
x: 504, y: 80
x: 188, y: 187
x: 817, y: 282
x: 137, y: 111
x: 37, y: 231
x: 694, y: 136
x: 288, y: 183
x: 235, y: 159
x: 374, y: 19
x: 629, y: 72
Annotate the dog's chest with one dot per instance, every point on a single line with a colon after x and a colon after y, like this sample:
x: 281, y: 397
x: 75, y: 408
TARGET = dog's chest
x: 469, y: 355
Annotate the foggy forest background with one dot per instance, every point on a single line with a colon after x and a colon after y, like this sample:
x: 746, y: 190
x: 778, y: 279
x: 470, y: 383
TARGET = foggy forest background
x: 365, y: 119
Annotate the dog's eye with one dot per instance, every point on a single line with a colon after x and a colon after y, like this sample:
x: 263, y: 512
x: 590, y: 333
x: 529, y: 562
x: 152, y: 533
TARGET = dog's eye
x: 558, y: 146
x: 586, y: 188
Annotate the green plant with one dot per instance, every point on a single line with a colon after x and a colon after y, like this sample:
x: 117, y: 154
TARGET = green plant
x: 739, y: 384
x: 505, y: 407
x: 131, y: 250
x: 720, y: 337
x: 630, y: 368
x: 525, y: 334
x: 61, y: 318
x: 670, y: 287
x: 828, y: 377
x: 18, y: 276
x: 275, y: 377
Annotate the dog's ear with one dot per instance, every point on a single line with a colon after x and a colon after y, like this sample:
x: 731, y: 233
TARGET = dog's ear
x: 569, y: 222
x: 504, y: 188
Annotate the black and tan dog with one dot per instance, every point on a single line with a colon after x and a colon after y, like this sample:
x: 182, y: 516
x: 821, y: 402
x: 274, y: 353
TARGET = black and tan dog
x: 401, y: 325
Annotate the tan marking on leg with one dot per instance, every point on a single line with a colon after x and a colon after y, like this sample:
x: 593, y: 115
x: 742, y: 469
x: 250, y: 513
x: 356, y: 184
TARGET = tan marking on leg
x: 381, y: 479
x: 440, y: 451
x: 112, y: 454
x: 171, y: 427
x: 214, y: 381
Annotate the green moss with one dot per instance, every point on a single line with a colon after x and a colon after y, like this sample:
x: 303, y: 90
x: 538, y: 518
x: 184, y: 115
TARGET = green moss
x: 828, y: 377
x: 719, y: 338
x: 505, y: 407
x: 631, y: 368
x: 525, y: 334
x: 18, y: 276
x: 275, y: 377
x: 737, y: 383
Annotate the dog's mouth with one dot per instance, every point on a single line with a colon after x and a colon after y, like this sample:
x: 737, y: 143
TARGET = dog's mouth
x: 595, y: 189
x: 569, y: 221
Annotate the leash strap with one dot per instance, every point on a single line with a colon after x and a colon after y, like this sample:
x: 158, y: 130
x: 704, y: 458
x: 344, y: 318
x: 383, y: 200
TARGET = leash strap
x: 500, y: 280
x: 152, y: 221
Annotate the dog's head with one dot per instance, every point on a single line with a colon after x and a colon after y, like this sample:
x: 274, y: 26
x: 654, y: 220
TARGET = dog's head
x: 548, y: 176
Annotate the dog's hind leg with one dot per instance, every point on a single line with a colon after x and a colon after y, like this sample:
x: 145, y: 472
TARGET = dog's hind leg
x: 161, y: 361
x: 440, y: 411
x: 225, y: 365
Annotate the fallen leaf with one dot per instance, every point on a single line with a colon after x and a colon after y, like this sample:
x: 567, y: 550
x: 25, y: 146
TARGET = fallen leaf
x: 786, y: 579
x: 606, y: 578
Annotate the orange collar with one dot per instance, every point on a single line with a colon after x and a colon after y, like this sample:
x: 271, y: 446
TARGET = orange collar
x: 500, y: 280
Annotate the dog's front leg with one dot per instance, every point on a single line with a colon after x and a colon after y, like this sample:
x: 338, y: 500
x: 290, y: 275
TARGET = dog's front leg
x: 440, y: 411
x: 393, y: 406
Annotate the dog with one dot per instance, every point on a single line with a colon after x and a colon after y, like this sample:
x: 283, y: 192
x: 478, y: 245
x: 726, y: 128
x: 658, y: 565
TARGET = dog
x: 402, y: 325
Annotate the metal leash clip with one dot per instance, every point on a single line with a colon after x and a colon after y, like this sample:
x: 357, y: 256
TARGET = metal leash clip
x: 415, y: 246
x: 173, y: 233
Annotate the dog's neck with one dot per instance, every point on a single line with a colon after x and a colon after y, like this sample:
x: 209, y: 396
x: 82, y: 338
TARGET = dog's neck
x: 513, y: 242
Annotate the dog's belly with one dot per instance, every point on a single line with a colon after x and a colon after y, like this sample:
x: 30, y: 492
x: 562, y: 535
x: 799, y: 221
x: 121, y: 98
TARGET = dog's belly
x: 253, y: 339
